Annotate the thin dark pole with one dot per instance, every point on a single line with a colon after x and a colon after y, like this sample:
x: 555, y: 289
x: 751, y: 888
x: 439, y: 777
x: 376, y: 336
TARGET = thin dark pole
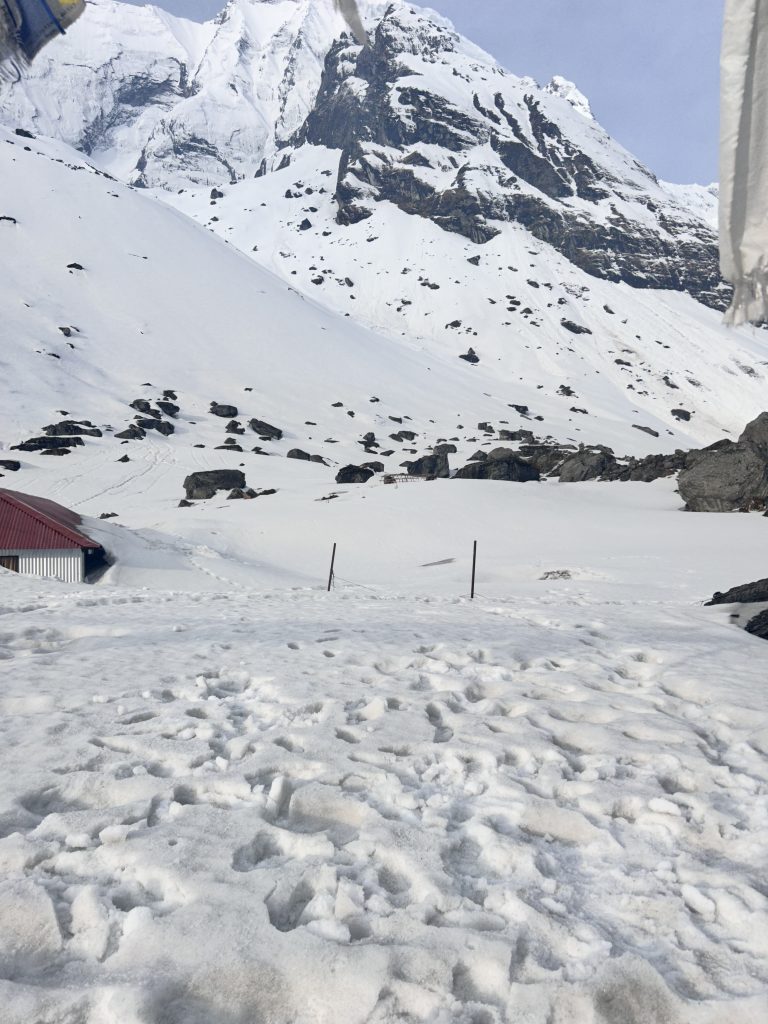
x: 333, y: 563
x: 474, y: 568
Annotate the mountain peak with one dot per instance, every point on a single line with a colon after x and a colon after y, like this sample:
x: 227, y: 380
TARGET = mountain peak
x: 568, y: 91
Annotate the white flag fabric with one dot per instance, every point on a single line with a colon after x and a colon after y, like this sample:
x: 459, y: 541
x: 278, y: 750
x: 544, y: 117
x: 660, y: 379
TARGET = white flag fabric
x: 744, y: 159
x: 352, y: 17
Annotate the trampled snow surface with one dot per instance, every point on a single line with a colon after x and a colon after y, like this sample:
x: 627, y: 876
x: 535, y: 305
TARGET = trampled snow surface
x: 226, y: 803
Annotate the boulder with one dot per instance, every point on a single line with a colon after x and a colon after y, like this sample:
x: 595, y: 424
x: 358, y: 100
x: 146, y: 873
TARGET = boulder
x: 445, y: 449
x: 585, y: 465
x: 10, y: 464
x: 746, y: 593
x: 403, y: 435
x: 297, y: 453
x: 227, y: 412
x: 759, y: 625
x: 131, y: 433
x: 143, y: 406
x: 733, y: 477
x: 233, y: 427
x: 547, y: 458
x: 354, y: 475
x: 205, y: 484
x: 500, y: 467
x: 169, y: 408
x: 429, y: 466
x: 69, y: 427
x: 756, y: 434
x: 265, y: 430
x: 470, y: 356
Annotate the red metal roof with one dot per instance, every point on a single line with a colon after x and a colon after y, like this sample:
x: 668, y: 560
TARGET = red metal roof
x: 29, y: 523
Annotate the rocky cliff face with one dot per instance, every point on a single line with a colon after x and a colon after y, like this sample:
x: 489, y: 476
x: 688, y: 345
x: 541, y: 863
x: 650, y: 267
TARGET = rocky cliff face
x: 426, y: 123
x: 421, y: 118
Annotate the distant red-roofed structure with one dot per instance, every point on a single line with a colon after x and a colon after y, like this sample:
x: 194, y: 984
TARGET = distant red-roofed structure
x: 41, y: 538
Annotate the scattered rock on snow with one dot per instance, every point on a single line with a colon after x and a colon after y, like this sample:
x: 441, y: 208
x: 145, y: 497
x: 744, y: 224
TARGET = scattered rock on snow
x: 354, y: 475
x: 206, y: 483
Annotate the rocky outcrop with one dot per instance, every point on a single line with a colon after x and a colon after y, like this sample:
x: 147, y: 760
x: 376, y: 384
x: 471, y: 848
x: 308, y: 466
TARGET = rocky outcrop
x: 501, y: 464
x: 429, y: 466
x: 731, y: 478
x: 758, y: 626
x: 513, y: 158
x: 265, y: 430
x: 586, y: 465
x: 205, y: 484
x: 746, y: 593
x: 354, y: 475
x: 40, y: 444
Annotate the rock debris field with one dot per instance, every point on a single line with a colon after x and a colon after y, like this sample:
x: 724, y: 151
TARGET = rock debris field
x: 243, y: 807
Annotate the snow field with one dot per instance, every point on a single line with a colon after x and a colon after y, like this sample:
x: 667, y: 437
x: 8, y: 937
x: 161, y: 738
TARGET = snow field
x: 281, y: 805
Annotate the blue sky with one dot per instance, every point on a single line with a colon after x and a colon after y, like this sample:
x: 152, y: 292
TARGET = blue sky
x: 649, y: 67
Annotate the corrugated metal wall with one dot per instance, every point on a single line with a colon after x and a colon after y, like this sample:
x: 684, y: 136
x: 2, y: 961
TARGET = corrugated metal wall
x: 66, y: 566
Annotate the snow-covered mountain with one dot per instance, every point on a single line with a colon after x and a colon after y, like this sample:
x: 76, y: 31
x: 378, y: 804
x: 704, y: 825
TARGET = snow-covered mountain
x: 422, y: 119
x: 413, y: 187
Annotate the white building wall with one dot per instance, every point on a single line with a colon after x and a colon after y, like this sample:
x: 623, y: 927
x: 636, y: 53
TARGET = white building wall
x: 67, y: 566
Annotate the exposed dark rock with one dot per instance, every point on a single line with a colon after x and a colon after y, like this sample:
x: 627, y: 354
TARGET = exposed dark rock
x: 470, y: 356
x: 403, y: 435
x: 501, y: 464
x: 646, y: 430
x: 108, y: 515
x: 168, y: 408
x: 124, y: 458
x: 206, y: 483
x: 585, y: 465
x: 517, y: 435
x: 377, y: 467
x: 56, y: 451
x: 681, y: 414
x: 131, y: 433
x: 318, y: 458
x: 756, y: 434
x: 233, y: 427
x: 265, y: 430
x: 68, y: 427
x: 758, y: 626
x: 75, y: 266
x: 297, y: 453
x: 429, y: 466
x: 746, y: 593
x: 184, y: 503
x: 226, y: 412
x: 354, y: 475
x: 479, y: 456
x: 39, y: 444
x: 732, y: 478
x: 142, y: 405
x: 228, y: 447
x: 161, y: 426
x: 445, y: 449
x: 23, y: 133
x: 10, y: 464
x: 574, y: 328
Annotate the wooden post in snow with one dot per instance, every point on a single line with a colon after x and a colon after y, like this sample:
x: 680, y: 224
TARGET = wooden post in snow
x: 333, y: 563
x: 474, y: 569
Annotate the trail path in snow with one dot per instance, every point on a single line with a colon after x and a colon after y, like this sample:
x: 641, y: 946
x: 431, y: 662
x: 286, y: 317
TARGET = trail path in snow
x: 289, y: 806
